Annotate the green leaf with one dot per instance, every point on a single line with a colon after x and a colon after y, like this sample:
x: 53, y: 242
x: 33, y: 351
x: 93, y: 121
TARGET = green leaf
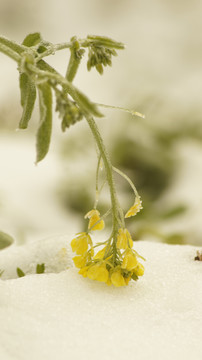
x: 106, y: 42
x: 20, y: 272
x: 42, y: 65
x: 28, y: 97
x: 86, y: 104
x: 45, y: 126
x: 5, y: 240
x: 32, y: 39
x: 40, y: 268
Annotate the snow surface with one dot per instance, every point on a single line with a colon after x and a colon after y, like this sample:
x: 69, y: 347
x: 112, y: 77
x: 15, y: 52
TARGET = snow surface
x: 64, y: 316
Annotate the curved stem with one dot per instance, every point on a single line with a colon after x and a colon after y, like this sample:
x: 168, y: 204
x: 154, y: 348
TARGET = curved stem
x: 127, y: 179
x: 109, y: 173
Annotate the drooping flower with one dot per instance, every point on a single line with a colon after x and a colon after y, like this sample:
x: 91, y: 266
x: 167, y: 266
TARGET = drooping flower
x: 117, y: 278
x: 139, y: 270
x: 83, y: 271
x: 129, y: 261
x: 94, y: 218
x: 80, y: 243
x: 79, y: 261
x: 137, y: 206
x: 100, y: 254
x: 98, y: 272
x: 124, y: 239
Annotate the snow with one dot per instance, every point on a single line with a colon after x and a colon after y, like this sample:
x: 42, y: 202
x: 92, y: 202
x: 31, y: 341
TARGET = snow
x: 65, y: 316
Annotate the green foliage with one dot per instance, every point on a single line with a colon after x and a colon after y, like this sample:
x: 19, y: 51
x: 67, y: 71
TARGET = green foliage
x: 20, y: 272
x: 40, y: 268
x: 45, y: 126
x: 5, y: 240
x: 71, y: 104
x: 28, y: 97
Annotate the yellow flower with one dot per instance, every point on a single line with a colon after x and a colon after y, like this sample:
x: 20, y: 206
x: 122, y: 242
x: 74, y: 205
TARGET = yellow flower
x: 98, y: 272
x: 80, y: 243
x: 94, y: 216
x: 83, y: 271
x: 100, y: 254
x: 137, y: 206
x: 124, y: 239
x: 127, y: 279
x: 129, y: 261
x: 79, y: 261
x: 139, y: 270
x: 117, y: 278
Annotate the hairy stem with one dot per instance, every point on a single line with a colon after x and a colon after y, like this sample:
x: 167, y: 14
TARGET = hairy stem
x: 110, y: 179
x: 9, y: 52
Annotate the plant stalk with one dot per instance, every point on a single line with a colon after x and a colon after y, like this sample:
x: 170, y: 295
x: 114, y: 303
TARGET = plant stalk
x: 109, y: 172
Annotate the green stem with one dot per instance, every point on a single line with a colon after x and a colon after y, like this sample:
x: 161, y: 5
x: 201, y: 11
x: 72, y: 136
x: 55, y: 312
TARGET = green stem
x: 73, y: 65
x: 110, y: 179
x: 9, y: 52
x: 127, y: 179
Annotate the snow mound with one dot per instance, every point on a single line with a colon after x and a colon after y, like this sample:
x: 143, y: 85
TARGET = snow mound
x: 64, y: 316
x: 54, y: 252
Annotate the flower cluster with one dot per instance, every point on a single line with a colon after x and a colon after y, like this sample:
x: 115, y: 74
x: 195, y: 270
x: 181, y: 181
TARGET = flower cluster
x: 115, y: 264
x: 68, y: 110
x: 99, y: 56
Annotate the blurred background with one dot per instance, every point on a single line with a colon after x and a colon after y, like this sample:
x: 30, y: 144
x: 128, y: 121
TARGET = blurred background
x: 158, y: 74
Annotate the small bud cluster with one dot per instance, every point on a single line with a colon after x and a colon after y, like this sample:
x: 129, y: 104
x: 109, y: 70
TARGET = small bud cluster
x: 78, y: 52
x: 68, y: 110
x: 99, y: 56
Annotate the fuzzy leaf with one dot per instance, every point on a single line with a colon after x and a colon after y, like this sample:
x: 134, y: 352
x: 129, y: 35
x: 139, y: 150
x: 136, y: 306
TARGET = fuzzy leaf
x: 40, y: 268
x: 45, y: 126
x: 32, y: 39
x: 42, y: 65
x: 86, y: 104
x: 5, y: 240
x: 105, y: 41
x: 28, y: 97
x: 20, y: 272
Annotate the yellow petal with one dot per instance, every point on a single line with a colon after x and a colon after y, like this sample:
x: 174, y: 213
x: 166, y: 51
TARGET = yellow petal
x: 129, y: 262
x: 93, y: 220
x: 137, y: 206
x: 117, y: 279
x: 79, y: 261
x: 83, y: 271
x: 100, y: 254
x: 139, y: 270
x: 103, y: 274
x: 92, y: 272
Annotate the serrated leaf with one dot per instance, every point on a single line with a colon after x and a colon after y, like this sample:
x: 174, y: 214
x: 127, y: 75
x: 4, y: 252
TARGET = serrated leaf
x: 40, y: 268
x: 5, y: 240
x: 86, y: 104
x: 20, y: 272
x: 45, y: 126
x: 28, y: 97
x: 32, y: 39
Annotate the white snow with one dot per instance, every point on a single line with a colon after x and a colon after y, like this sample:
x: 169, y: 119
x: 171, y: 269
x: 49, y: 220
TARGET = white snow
x: 65, y: 316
